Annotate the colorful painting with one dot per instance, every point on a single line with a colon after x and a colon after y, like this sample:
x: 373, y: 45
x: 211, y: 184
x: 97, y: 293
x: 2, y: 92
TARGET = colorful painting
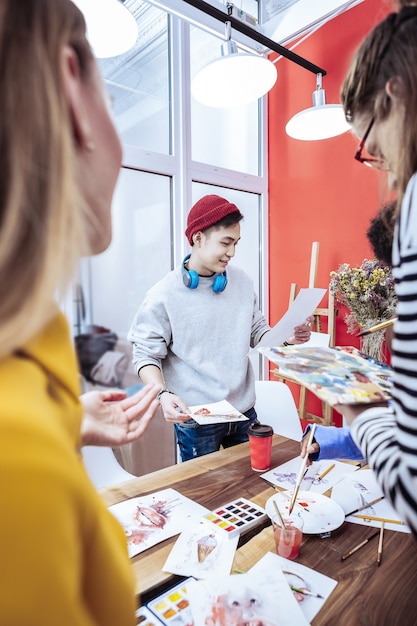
x: 339, y: 375
x: 147, y: 520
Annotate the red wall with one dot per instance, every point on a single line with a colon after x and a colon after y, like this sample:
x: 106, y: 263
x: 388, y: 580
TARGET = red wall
x: 317, y: 191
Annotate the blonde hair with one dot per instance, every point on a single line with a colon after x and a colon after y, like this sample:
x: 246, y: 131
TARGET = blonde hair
x: 389, y: 51
x: 42, y: 215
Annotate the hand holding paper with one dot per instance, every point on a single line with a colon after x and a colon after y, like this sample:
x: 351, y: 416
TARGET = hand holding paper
x: 303, y: 306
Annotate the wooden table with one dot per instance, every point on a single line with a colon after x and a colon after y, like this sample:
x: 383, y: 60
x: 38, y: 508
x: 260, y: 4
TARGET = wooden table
x: 366, y: 595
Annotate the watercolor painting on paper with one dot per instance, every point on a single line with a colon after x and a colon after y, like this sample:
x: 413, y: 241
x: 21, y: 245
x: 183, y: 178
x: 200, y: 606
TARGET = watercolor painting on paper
x: 332, y: 472
x: 150, y: 519
x: 201, y: 551
x: 264, y: 598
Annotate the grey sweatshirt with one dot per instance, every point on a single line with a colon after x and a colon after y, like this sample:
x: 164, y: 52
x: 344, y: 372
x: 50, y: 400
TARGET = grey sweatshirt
x: 201, y: 339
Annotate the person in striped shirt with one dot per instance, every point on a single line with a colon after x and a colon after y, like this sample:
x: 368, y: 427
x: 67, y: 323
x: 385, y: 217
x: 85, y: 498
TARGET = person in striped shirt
x: 379, y: 97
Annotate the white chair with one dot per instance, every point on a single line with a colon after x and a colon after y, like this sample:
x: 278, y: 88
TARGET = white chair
x: 102, y: 467
x: 275, y: 406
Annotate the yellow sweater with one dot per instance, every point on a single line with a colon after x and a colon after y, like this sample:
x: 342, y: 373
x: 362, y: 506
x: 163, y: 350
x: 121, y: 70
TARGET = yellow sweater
x: 63, y: 557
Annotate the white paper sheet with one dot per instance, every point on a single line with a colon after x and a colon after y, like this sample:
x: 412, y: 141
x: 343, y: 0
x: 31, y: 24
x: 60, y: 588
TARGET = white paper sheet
x: 285, y: 475
x: 303, y: 306
x: 221, y: 412
x: 263, y: 598
x: 202, y: 552
x: 150, y: 519
x: 300, y: 577
x: 354, y: 491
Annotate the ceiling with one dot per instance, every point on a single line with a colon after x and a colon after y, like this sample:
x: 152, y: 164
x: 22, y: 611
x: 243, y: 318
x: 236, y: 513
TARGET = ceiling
x: 138, y: 80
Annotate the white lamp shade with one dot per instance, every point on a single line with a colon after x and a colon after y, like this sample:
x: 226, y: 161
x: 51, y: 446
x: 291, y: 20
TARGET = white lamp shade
x: 234, y: 80
x: 318, y: 122
x: 111, y: 27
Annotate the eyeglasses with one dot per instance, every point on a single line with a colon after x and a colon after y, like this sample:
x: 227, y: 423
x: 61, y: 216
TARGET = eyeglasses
x: 379, y: 164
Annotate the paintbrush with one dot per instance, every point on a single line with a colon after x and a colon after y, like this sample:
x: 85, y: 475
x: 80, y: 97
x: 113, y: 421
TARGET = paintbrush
x: 326, y: 471
x: 372, y: 518
x: 305, y: 592
x: 381, y: 538
x: 380, y: 326
x: 301, y: 471
x: 360, y: 545
x: 365, y: 506
x: 281, y: 520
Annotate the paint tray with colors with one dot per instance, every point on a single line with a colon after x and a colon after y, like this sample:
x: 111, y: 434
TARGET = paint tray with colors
x: 172, y: 607
x: 145, y: 617
x: 236, y: 517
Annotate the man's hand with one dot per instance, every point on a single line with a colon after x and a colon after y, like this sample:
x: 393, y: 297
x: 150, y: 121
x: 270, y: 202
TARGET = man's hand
x: 112, y: 419
x: 175, y: 411
x: 302, y: 332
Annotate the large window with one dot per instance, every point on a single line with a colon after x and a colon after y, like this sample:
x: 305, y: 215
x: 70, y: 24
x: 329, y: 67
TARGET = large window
x: 175, y: 151
x: 138, y: 83
x: 223, y: 137
x: 140, y: 252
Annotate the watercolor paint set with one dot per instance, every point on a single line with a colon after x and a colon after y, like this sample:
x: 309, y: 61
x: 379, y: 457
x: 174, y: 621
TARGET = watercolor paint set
x: 171, y: 608
x: 236, y: 517
x: 145, y: 617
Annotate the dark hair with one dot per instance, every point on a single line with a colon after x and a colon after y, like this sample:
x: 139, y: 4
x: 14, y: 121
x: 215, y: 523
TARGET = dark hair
x: 380, y: 232
x: 225, y: 222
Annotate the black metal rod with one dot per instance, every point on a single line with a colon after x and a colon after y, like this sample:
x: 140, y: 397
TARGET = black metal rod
x: 247, y: 30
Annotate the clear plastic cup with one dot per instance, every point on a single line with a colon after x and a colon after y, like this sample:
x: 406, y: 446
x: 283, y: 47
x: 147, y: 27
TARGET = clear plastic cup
x: 288, y: 540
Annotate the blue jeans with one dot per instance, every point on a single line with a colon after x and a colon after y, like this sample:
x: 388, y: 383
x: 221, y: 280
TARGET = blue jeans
x: 195, y: 440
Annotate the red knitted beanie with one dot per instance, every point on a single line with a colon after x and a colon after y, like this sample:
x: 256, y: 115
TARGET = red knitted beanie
x: 207, y: 212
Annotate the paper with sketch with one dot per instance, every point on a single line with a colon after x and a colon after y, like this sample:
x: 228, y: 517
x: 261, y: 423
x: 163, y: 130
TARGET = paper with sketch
x: 285, y: 475
x: 216, y: 413
x: 339, y: 375
x: 147, y: 520
x: 310, y: 588
x: 264, y: 598
x: 353, y: 491
x: 202, y: 552
x: 303, y: 306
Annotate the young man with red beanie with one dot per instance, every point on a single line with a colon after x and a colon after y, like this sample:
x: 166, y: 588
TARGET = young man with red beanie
x: 193, y: 331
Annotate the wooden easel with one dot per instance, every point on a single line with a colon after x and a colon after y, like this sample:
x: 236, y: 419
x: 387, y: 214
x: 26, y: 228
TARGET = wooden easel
x: 319, y: 313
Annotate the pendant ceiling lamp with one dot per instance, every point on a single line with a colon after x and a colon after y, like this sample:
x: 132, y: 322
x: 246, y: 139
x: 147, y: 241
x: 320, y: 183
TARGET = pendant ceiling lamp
x: 235, y: 78
x: 321, y: 121
x: 111, y: 27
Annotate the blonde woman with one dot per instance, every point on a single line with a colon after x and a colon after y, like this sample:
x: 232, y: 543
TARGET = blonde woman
x: 63, y: 555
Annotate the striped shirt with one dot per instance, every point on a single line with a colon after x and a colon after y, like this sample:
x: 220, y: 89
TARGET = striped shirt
x: 388, y: 437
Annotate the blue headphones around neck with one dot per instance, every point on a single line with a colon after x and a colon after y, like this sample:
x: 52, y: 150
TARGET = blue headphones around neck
x: 190, y: 278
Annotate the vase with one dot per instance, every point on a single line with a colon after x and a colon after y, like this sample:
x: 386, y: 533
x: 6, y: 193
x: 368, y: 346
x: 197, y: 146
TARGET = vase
x: 372, y: 344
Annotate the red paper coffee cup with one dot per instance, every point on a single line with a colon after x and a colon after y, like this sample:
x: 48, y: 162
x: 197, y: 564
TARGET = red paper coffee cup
x: 260, y: 444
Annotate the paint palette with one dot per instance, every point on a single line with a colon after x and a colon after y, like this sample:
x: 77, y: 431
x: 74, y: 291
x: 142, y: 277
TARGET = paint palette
x: 172, y: 607
x: 236, y: 517
x: 144, y: 617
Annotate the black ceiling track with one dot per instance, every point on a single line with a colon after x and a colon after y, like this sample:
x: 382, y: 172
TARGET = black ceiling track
x: 247, y: 30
